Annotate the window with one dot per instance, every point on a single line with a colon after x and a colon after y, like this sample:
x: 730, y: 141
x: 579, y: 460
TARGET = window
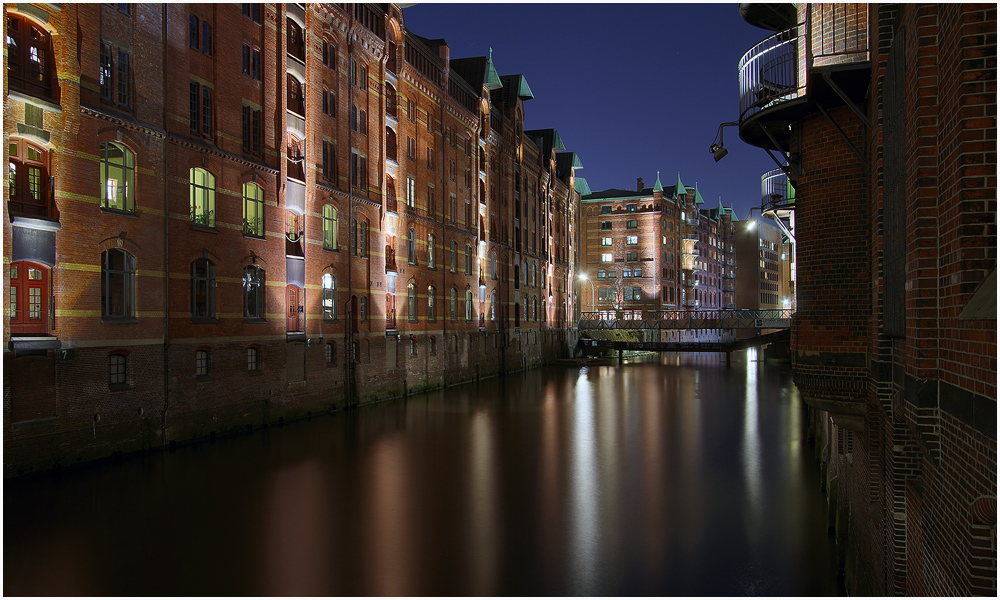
x: 601, y: 273
x: 533, y: 274
x: 296, y: 96
x: 117, y: 284
x: 606, y: 257
x: 411, y: 192
x: 433, y: 345
x: 430, y: 200
x: 630, y: 208
x: 359, y: 172
x: 331, y: 354
x: 632, y: 224
x: 28, y: 301
x: 606, y: 209
x: 253, y: 210
x: 329, y: 103
x: 251, y: 62
x: 106, y: 75
x: 637, y: 272
x: 431, y: 314
x: 493, y: 266
x: 329, y: 227
x: 363, y: 239
x: 253, y: 292
x: 636, y: 294
x: 631, y: 256
x: 253, y: 359
x: 251, y: 130
x: 202, y: 362
x: 411, y: 246
x: 28, y: 180
x: 200, y: 109
x: 468, y: 305
x: 453, y: 305
x: 604, y: 294
x: 430, y: 158
x: 117, y: 369
x: 354, y: 237
x: 605, y: 225
x: 118, y: 177
x: 430, y: 251
x: 329, y: 55
x: 411, y: 148
x: 252, y: 11
x: 202, y: 189
x: 411, y: 301
x: 410, y: 110
x: 468, y: 259
x: 202, y: 288
x: 632, y: 240
x: 453, y: 257
x: 493, y: 306
x: 605, y: 241
x: 364, y: 309
x: 329, y: 297
x: 359, y: 75
x: 330, y: 161
x: 626, y: 272
x: 295, y: 40
x: 30, y: 60
x: 430, y: 122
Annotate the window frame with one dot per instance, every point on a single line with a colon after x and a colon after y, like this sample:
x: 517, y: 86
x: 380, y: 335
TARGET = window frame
x: 201, y: 184
x: 203, y: 280
x: 126, y: 288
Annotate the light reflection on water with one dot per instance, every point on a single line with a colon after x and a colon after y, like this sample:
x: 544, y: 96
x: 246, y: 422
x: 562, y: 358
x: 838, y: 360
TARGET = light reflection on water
x: 668, y: 477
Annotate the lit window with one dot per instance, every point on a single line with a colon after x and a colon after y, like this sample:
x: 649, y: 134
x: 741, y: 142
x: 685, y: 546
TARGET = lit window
x: 202, y: 196
x: 430, y: 251
x: 631, y: 240
x: 606, y: 257
x: 605, y: 241
x: 468, y: 305
x: 411, y: 301
x: 28, y: 179
x: 329, y: 297
x: 454, y: 304
x: 253, y: 210
x: 431, y: 314
x: 329, y: 227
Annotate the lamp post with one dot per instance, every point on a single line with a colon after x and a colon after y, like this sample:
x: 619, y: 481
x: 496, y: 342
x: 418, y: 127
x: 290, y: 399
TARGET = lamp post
x: 593, y: 291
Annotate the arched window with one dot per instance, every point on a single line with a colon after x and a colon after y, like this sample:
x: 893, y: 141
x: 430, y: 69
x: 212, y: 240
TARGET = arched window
x: 364, y: 308
x: 117, y: 177
x: 202, y: 186
x: 453, y: 306
x: 30, y: 60
x: 493, y: 306
x: 28, y: 301
x: 453, y: 259
x: 524, y: 273
x: 329, y: 227
x: 253, y: 359
x: 295, y: 158
x: 364, y: 238
x: 117, y: 369
x: 493, y: 265
x: 28, y: 179
x: 253, y: 210
x: 253, y: 292
x: 534, y: 308
x: 533, y: 280
x: 117, y: 284
x: 391, y: 150
x: 296, y: 98
x: 202, y: 288
x: 468, y: 259
x: 411, y: 246
x: 430, y: 251
x: 411, y: 301
x: 296, y: 41
x: 202, y: 362
x: 431, y: 314
x: 329, y: 297
x: 468, y: 305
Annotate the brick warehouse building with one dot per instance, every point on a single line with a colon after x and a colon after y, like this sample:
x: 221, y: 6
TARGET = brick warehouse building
x: 886, y: 115
x: 224, y: 216
x: 655, y: 249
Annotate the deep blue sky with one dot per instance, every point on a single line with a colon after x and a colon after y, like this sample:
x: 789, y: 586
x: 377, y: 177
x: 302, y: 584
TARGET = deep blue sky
x: 632, y: 88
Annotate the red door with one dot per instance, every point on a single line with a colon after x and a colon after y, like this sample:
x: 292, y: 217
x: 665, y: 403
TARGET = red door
x: 29, y: 298
x: 293, y: 316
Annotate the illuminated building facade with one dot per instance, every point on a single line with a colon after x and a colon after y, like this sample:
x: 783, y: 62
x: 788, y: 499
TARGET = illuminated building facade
x: 220, y: 216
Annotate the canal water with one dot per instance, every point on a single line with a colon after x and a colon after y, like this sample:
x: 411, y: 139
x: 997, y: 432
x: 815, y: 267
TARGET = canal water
x: 672, y: 476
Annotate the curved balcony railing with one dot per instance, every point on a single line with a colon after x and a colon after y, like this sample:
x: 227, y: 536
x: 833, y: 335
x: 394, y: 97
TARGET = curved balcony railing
x: 769, y: 72
x: 775, y: 191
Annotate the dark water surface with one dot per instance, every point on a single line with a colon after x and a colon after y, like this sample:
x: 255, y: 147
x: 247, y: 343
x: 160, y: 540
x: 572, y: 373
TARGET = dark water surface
x: 676, y: 477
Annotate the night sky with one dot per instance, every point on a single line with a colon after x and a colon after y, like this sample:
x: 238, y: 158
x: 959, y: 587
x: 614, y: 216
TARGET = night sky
x: 632, y: 88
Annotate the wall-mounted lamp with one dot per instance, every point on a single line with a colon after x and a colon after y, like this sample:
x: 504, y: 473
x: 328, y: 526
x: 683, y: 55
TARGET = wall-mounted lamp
x: 718, y: 148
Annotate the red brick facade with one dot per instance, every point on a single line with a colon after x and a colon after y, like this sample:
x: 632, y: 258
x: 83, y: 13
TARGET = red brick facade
x: 225, y: 241
x: 892, y: 148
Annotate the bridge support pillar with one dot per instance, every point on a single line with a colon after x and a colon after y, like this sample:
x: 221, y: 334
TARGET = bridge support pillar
x: 620, y: 355
x: 729, y: 357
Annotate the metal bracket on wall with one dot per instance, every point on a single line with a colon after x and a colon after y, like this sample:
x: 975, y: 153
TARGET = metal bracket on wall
x: 789, y: 164
x: 847, y: 101
x: 857, y: 153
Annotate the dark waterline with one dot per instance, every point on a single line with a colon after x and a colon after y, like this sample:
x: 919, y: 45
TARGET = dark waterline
x: 676, y: 478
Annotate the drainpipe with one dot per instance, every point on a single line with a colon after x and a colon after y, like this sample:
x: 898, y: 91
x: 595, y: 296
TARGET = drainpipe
x: 166, y: 254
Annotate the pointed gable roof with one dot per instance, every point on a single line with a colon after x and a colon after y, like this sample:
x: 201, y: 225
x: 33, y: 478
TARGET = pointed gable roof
x: 658, y: 187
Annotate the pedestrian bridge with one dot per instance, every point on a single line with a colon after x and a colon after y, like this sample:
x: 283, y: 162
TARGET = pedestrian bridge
x: 688, y: 319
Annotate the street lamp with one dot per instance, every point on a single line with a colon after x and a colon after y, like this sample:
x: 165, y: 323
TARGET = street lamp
x: 593, y: 290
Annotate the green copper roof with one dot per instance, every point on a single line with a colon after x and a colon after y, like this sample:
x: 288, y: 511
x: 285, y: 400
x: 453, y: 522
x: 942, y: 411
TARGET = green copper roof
x: 721, y: 208
x: 658, y: 187
x: 697, y: 195
x: 490, y: 78
x: 557, y: 143
x: 679, y: 188
x: 581, y: 186
x: 523, y: 91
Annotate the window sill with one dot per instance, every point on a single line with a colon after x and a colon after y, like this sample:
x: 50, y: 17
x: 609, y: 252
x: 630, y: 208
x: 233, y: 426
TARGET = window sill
x: 119, y: 213
x: 205, y: 228
x: 120, y: 320
x: 329, y: 320
x: 253, y: 320
x: 337, y: 250
x: 204, y: 320
x: 253, y: 236
x: 119, y: 387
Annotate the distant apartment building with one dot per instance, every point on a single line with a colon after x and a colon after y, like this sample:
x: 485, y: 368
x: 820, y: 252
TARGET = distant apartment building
x: 220, y: 216
x: 654, y: 249
x: 762, y: 266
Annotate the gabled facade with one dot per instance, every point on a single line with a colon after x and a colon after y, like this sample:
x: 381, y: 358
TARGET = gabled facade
x: 220, y: 216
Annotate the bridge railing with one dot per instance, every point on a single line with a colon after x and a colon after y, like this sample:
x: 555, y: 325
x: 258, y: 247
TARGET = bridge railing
x: 688, y: 319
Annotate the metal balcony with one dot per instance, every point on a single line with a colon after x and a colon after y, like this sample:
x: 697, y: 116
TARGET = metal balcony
x: 770, y: 79
x: 776, y: 193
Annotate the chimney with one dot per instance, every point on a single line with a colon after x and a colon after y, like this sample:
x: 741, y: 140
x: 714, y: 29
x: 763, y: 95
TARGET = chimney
x: 638, y: 185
